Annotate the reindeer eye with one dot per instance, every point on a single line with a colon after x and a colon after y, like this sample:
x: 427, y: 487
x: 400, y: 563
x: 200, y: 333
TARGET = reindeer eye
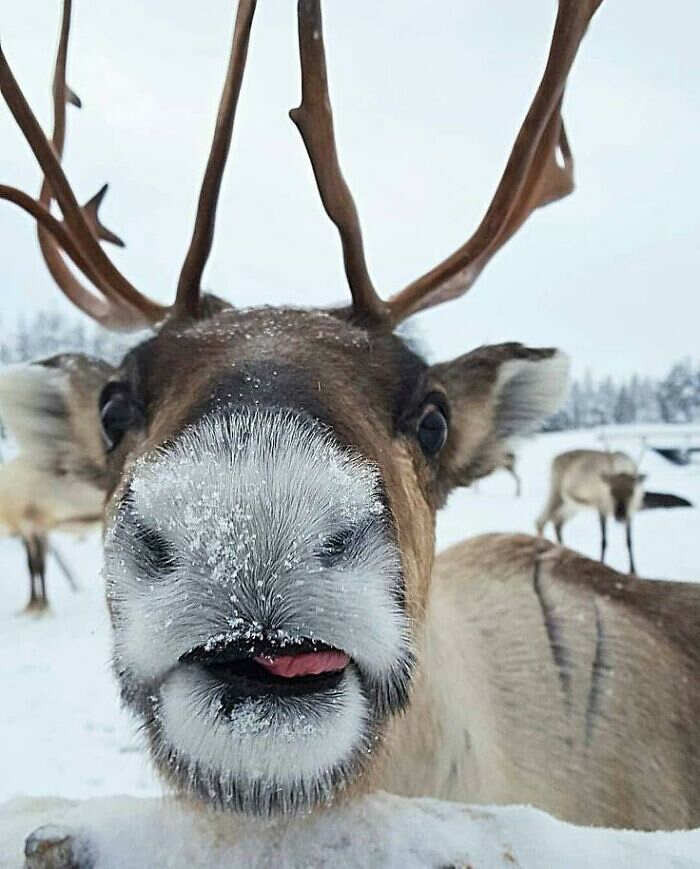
x: 119, y: 411
x: 432, y: 429
x: 334, y: 547
x: 159, y: 553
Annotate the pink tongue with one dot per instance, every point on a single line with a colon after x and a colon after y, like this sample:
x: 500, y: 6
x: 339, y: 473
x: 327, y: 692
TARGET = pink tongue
x: 309, y: 664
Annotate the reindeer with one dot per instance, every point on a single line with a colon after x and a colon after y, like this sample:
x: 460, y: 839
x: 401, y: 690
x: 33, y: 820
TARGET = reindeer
x: 39, y: 491
x: 282, y: 629
x: 31, y: 505
x: 608, y: 482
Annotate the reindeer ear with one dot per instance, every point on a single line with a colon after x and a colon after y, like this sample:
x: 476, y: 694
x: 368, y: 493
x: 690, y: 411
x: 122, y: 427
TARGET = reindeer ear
x: 51, y: 410
x: 496, y: 394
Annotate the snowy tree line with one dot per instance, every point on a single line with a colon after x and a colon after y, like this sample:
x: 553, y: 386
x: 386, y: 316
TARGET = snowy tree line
x: 48, y: 332
x: 674, y: 398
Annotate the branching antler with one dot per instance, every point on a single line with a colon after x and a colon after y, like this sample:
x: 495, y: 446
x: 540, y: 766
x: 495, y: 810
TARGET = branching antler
x: 50, y: 249
x: 121, y: 304
x: 532, y: 177
x: 78, y: 235
x: 314, y: 120
x: 189, y: 284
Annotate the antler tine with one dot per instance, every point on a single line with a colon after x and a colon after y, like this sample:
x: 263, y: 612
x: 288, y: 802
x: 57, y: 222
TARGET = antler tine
x: 109, y: 316
x: 124, y: 306
x: 62, y: 95
x: 532, y: 177
x: 81, y: 296
x: 314, y: 120
x: 189, y: 283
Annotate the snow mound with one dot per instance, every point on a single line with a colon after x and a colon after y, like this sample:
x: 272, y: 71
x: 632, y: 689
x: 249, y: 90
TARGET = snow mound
x: 379, y: 830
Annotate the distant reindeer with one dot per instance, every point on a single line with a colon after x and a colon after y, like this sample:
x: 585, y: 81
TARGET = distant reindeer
x: 39, y: 489
x: 604, y: 481
x: 34, y: 503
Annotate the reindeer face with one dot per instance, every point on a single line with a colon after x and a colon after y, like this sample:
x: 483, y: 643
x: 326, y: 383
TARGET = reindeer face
x: 626, y: 492
x: 273, y: 478
x: 255, y: 578
x: 258, y: 604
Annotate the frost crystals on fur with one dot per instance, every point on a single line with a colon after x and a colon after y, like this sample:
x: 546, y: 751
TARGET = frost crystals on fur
x: 250, y: 529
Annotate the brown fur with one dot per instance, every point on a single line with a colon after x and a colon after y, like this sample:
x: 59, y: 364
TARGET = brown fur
x: 549, y: 679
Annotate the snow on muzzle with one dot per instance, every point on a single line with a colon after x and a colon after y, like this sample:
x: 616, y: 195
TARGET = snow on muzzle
x: 257, y: 527
x: 260, y: 627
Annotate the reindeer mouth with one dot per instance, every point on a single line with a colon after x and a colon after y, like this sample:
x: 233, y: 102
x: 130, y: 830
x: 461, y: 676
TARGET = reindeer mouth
x: 265, y: 669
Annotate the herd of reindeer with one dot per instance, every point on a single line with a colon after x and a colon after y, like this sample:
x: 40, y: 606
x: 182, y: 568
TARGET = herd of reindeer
x: 268, y: 478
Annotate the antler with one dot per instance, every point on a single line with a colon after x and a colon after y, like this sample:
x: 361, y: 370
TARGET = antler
x: 80, y: 295
x: 532, y: 177
x: 120, y: 305
x: 189, y: 283
x: 314, y: 120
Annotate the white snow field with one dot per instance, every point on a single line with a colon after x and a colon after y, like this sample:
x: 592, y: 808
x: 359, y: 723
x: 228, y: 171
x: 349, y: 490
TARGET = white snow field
x: 64, y: 737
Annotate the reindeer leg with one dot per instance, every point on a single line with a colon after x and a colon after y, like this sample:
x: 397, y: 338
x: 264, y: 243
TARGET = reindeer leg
x: 603, y: 535
x: 32, y: 604
x: 35, y: 561
x: 558, y: 525
x: 628, y: 529
x: 551, y: 512
x: 41, y: 568
x: 518, y: 487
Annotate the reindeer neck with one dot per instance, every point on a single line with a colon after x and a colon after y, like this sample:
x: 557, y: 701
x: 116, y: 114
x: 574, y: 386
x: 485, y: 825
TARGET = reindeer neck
x: 432, y: 747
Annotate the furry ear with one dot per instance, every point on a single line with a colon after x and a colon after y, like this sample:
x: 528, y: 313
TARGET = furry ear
x: 51, y: 409
x: 496, y: 394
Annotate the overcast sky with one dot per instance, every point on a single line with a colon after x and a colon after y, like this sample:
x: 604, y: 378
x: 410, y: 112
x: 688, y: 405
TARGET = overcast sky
x: 427, y: 98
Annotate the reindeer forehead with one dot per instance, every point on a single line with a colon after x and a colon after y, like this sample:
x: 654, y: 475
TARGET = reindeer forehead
x: 312, y: 361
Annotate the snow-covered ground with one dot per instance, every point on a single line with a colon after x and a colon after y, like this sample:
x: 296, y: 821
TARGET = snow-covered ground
x: 61, y: 730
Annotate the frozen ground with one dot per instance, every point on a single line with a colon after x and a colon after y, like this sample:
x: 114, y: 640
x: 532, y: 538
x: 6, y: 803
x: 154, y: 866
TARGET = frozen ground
x: 61, y: 731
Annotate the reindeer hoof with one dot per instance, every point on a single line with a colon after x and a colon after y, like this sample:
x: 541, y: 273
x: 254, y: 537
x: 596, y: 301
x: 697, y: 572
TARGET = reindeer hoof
x: 52, y: 847
x: 36, y: 607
